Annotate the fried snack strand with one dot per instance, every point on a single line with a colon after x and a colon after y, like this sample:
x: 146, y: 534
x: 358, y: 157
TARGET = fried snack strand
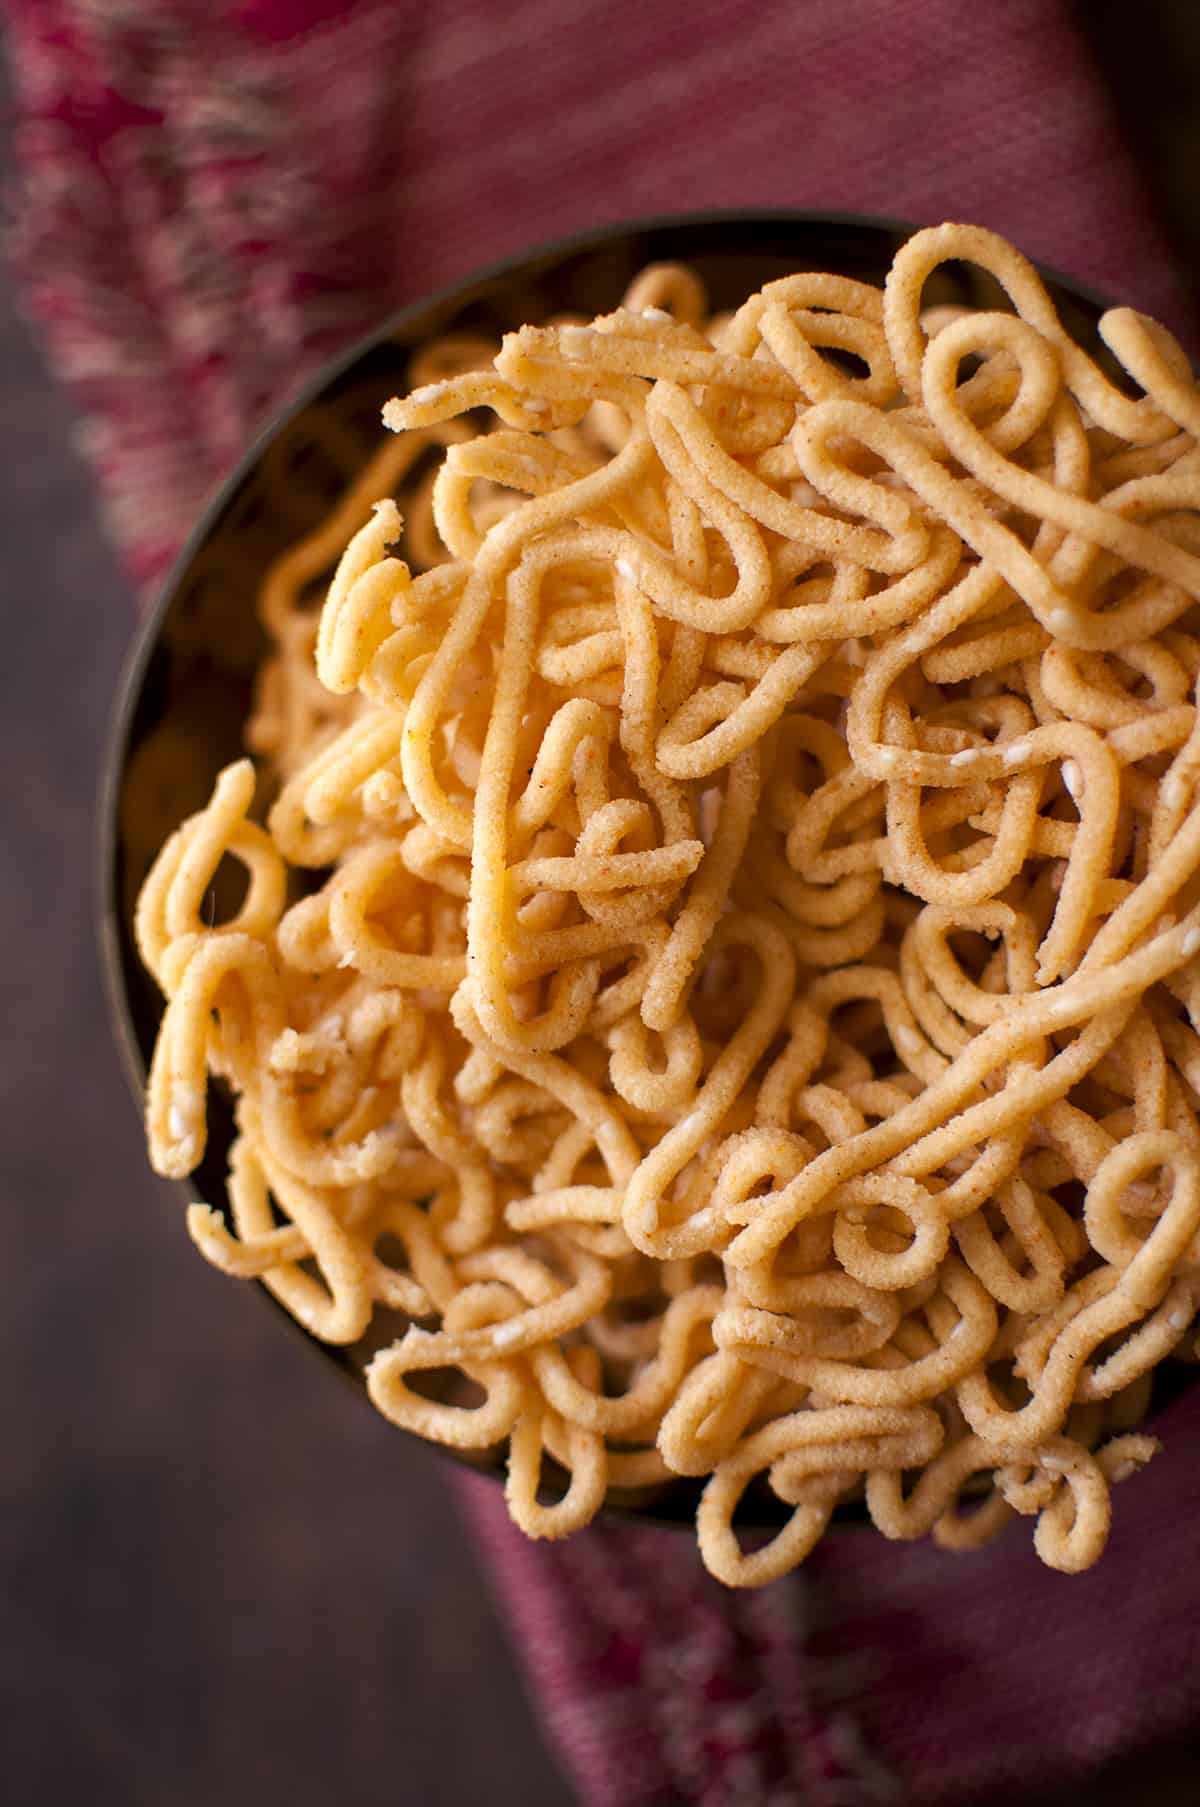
x: 742, y: 1017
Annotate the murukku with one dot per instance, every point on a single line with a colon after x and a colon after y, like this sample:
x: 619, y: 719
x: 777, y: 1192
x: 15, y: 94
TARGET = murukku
x: 741, y: 1017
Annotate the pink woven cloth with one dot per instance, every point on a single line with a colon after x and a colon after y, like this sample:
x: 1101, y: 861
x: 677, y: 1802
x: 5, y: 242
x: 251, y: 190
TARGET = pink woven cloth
x: 212, y: 198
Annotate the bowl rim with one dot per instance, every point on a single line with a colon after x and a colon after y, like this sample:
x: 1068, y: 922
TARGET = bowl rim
x: 131, y: 678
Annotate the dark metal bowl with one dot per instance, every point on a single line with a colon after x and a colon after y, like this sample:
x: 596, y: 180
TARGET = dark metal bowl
x: 187, y: 686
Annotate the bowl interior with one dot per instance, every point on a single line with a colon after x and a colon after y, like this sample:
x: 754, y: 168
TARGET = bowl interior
x: 188, y: 688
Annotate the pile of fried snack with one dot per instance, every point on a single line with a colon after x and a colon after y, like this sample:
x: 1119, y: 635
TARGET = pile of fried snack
x: 738, y: 1020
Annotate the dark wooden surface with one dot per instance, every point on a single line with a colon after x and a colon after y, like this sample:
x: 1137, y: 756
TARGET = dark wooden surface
x: 223, y: 1581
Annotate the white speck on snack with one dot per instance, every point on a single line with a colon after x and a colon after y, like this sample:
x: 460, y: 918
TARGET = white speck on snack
x: 308, y: 1312
x: 504, y: 1335
x: 1055, y: 1464
x: 1174, y: 790
x: 886, y: 757
x: 533, y: 404
x: 908, y: 1038
x: 396, y: 412
x: 657, y: 313
x: 1072, y: 777
x: 1190, y: 944
x: 573, y: 341
x: 626, y: 568
x: 347, y: 959
x: 1017, y: 753
x: 368, y: 1159
x: 1179, y: 1319
x: 1124, y: 1471
x: 1060, y: 621
x: 177, y: 1124
x: 968, y: 756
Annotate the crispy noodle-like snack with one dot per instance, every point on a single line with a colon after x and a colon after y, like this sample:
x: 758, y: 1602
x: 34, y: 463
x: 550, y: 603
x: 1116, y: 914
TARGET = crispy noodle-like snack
x: 744, y: 1016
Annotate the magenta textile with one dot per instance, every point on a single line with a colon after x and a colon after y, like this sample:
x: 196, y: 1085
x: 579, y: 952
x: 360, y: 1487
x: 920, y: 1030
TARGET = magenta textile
x: 212, y: 198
